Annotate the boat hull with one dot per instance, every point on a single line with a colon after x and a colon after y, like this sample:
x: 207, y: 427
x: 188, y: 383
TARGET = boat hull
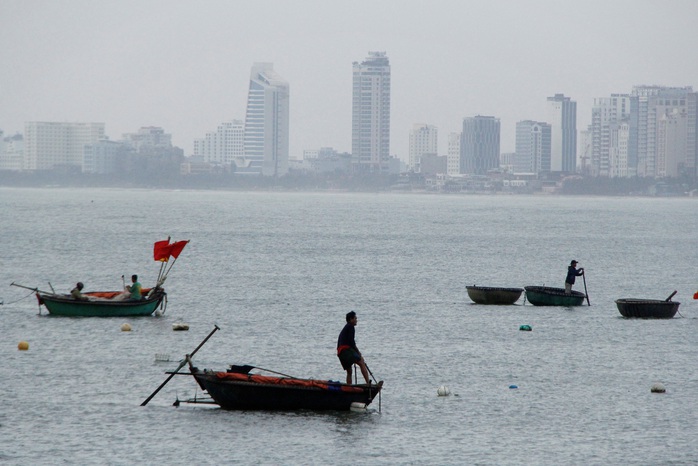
x: 494, y: 295
x: 548, y: 296
x: 647, y: 308
x: 69, y: 307
x: 242, y: 392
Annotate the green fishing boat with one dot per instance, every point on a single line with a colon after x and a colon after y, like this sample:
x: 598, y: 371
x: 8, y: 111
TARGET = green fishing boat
x: 103, y: 304
x: 548, y: 296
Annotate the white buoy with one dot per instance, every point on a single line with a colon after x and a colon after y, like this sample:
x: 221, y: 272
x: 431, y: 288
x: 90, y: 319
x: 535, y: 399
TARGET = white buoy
x: 162, y: 357
x: 158, y: 313
x: 180, y: 326
x: 443, y: 390
x: 658, y: 388
x: 125, y: 327
x: 356, y: 406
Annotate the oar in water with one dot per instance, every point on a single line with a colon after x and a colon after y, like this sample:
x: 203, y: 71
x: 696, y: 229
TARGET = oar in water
x: 585, y: 287
x: 215, y: 327
x: 670, y: 296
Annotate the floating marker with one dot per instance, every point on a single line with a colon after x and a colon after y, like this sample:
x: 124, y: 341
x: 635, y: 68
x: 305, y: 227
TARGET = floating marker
x: 443, y: 390
x: 126, y: 327
x: 356, y: 406
x: 525, y: 328
x: 23, y: 345
x: 163, y: 357
x: 658, y: 388
x: 180, y: 326
x: 513, y: 386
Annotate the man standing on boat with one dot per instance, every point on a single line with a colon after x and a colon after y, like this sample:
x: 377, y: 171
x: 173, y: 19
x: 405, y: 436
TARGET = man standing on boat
x: 347, y: 352
x: 572, y: 272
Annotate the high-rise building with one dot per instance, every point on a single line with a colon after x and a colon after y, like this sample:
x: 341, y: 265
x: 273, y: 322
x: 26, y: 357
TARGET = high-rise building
x: 266, y: 123
x: 608, y: 114
x: 664, y: 113
x: 224, y: 146
x: 453, y: 156
x: 479, y: 148
x: 50, y: 145
x: 562, y: 116
x: 423, y: 141
x: 532, y: 147
x: 370, y: 123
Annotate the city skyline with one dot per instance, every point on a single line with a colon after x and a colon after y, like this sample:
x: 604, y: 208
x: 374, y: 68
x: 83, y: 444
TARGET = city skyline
x: 129, y: 71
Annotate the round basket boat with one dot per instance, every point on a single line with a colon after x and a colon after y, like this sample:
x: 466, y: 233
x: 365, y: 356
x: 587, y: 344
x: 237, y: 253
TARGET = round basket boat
x: 647, y: 308
x: 549, y: 296
x: 493, y: 295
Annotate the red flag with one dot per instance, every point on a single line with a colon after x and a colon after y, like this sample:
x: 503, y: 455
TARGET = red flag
x: 161, y: 250
x: 176, y: 248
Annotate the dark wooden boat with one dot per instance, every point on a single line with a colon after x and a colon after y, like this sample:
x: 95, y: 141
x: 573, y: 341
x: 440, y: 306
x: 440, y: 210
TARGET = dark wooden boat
x: 647, y: 308
x: 102, y: 304
x: 238, y: 389
x: 493, y: 295
x: 548, y: 296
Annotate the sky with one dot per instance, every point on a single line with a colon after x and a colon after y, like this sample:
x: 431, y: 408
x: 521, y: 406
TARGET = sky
x: 185, y: 66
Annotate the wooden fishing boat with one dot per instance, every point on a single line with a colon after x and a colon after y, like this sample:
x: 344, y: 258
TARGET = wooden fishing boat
x: 493, y: 295
x: 238, y: 389
x: 648, y: 308
x: 549, y: 296
x: 103, y: 304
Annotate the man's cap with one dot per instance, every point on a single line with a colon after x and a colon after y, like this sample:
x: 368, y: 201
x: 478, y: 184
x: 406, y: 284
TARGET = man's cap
x: 573, y: 262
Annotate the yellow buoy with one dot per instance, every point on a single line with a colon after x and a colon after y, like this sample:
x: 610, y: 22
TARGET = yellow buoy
x: 126, y: 327
x: 23, y: 346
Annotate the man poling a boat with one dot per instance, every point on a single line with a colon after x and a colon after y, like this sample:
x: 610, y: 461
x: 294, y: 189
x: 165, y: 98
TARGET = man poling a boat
x: 572, y: 272
x: 347, y: 352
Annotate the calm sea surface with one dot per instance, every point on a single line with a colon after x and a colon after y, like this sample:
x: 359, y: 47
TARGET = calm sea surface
x: 277, y: 272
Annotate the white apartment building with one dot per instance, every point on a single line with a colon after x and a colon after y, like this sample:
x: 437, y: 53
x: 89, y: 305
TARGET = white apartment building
x: 533, y: 147
x: 224, y: 146
x: 266, y: 123
x: 562, y: 117
x: 370, y: 123
x: 453, y: 154
x: 423, y: 141
x: 49, y: 145
x: 11, y: 152
x: 607, y: 112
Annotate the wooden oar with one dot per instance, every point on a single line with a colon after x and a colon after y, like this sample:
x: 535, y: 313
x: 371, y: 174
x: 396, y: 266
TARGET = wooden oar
x: 585, y: 287
x: 670, y: 296
x: 215, y: 327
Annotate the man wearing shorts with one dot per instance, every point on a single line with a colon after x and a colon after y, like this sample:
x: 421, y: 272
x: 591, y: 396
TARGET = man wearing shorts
x: 347, y: 352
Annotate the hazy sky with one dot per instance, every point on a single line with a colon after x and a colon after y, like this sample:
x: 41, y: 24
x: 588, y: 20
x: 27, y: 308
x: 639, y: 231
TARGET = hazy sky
x: 185, y: 65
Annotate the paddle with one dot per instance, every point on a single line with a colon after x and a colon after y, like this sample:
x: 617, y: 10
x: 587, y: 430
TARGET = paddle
x: 215, y: 327
x: 670, y: 296
x: 585, y: 287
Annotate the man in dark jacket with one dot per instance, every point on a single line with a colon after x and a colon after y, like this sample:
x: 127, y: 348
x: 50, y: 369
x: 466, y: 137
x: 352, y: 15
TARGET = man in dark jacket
x: 347, y: 352
x: 572, y: 272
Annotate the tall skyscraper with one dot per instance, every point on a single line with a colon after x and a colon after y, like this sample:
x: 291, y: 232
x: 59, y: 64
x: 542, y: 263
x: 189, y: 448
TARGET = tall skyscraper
x: 479, y: 146
x: 667, y: 127
x: 49, y: 145
x: 370, y: 122
x: 562, y: 116
x: 266, y: 122
x: 453, y: 157
x: 608, y: 116
x: 532, y: 147
x: 423, y: 141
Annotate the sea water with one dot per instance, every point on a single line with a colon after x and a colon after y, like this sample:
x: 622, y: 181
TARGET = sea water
x: 277, y: 272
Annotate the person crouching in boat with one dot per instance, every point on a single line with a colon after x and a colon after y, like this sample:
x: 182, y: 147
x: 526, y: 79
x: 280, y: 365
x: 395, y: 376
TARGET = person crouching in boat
x: 76, y: 293
x: 132, y: 291
x: 347, y: 352
x: 572, y: 272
